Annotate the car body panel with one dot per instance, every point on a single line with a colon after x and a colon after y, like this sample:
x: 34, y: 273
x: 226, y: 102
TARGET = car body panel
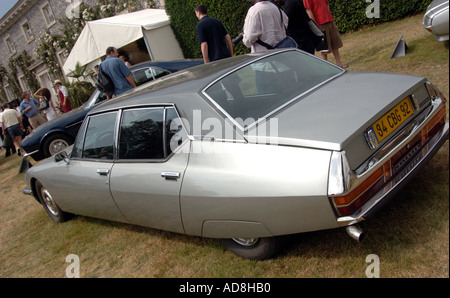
x: 316, y: 168
x: 436, y: 19
x: 236, y: 182
x: 145, y: 196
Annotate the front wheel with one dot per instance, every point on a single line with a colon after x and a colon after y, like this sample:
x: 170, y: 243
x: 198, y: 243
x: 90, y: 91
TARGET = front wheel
x: 50, y: 206
x: 56, y: 143
x: 253, y: 248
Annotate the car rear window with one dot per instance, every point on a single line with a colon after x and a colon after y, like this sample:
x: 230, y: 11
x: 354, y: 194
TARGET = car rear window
x: 259, y: 89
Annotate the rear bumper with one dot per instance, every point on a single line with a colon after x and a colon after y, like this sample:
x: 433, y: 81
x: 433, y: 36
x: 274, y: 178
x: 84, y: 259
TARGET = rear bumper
x: 426, y: 152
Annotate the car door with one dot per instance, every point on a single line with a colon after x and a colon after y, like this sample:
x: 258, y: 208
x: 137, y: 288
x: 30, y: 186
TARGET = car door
x: 146, y: 179
x: 90, y: 168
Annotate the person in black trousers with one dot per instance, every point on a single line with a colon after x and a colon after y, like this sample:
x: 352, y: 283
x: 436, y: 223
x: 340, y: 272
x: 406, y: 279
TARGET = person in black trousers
x: 298, y: 27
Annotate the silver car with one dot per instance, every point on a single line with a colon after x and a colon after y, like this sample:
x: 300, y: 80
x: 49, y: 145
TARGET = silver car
x: 436, y: 19
x: 248, y: 149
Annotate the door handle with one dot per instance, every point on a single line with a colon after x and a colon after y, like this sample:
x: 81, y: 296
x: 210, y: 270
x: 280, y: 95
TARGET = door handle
x: 170, y: 175
x: 103, y: 172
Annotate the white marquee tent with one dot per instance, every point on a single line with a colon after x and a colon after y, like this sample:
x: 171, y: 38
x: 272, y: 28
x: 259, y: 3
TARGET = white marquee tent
x: 151, y: 24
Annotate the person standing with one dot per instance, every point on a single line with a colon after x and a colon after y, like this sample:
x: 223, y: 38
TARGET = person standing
x: 119, y: 73
x: 263, y: 22
x: 298, y: 27
x: 215, y: 42
x: 125, y: 60
x: 63, y: 94
x: 45, y: 95
x: 319, y: 11
x: 12, y: 125
x: 30, y: 108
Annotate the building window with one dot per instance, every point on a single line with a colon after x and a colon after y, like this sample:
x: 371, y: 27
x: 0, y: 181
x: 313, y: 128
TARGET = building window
x: 9, y: 93
x: 24, y: 84
x: 10, y: 45
x: 48, y: 14
x: 27, y: 31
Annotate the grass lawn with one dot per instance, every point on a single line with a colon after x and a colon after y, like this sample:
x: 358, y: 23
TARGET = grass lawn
x: 410, y: 236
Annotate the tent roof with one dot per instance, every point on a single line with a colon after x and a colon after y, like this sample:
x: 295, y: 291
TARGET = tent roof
x: 116, y: 31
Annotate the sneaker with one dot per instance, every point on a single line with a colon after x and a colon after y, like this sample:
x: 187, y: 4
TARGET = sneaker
x: 18, y: 152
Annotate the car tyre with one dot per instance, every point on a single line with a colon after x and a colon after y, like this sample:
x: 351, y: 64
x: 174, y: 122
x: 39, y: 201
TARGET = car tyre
x: 56, y: 143
x: 49, y: 204
x: 254, y: 248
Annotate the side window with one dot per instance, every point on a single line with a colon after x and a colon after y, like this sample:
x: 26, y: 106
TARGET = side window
x: 141, y: 134
x: 149, y: 133
x: 142, y: 75
x: 77, y: 151
x: 99, y: 138
x: 157, y: 72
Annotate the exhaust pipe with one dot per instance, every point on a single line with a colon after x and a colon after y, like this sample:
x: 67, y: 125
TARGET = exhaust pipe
x: 355, y: 232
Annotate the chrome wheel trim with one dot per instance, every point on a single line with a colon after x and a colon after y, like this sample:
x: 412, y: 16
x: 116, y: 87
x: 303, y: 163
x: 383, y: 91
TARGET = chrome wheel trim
x: 246, y: 241
x: 49, y: 202
x: 57, y: 146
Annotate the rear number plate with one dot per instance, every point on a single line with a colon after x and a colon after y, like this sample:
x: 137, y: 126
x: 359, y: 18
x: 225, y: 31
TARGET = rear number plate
x: 392, y: 120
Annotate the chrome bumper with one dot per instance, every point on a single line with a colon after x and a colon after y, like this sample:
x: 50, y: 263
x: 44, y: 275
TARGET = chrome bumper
x: 423, y: 156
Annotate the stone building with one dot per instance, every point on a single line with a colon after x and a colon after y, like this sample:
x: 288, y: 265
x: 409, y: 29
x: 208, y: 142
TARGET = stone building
x: 21, y: 30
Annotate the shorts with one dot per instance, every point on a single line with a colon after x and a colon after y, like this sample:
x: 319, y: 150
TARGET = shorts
x: 14, y: 131
x: 333, y: 36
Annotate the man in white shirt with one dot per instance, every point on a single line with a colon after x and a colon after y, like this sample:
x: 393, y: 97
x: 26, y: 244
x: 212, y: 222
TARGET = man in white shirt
x: 12, y: 125
x: 263, y: 22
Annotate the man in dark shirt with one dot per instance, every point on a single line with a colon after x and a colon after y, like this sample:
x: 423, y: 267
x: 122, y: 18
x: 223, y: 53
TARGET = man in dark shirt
x: 298, y: 27
x: 213, y: 37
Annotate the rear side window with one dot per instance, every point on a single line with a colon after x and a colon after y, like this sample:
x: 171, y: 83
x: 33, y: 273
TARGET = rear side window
x: 149, y: 133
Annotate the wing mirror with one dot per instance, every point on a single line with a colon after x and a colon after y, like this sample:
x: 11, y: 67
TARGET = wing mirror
x: 60, y: 156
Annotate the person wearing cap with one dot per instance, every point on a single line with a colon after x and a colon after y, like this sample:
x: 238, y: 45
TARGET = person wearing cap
x: 63, y: 95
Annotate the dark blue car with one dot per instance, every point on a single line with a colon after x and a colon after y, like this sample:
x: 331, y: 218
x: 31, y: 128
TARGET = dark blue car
x: 53, y: 136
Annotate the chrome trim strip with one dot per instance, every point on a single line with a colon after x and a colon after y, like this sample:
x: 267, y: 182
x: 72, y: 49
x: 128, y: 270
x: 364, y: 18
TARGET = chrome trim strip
x: 76, y: 123
x: 29, y: 154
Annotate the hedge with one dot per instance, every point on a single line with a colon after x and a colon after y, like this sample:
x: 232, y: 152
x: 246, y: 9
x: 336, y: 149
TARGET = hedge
x: 350, y: 15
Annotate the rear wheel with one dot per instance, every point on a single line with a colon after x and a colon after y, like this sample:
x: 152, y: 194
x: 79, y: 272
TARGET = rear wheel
x: 50, y: 206
x: 253, y: 248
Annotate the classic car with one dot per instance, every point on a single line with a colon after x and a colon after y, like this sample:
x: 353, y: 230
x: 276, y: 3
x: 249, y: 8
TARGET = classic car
x: 55, y: 135
x: 247, y: 149
x: 436, y: 19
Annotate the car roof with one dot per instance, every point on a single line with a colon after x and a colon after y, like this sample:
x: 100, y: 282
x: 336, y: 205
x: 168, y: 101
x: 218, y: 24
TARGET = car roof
x: 175, y: 87
x: 183, y: 90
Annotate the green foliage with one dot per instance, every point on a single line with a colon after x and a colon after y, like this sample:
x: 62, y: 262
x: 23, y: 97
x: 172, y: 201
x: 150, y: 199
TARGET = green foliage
x: 230, y: 13
x: 349, y: 15
x: 79, y: 92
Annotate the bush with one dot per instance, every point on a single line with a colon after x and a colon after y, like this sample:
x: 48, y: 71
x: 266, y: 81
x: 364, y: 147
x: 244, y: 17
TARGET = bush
x: 183, y: 20
x: 79, y: 93
x: 349, y: 15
